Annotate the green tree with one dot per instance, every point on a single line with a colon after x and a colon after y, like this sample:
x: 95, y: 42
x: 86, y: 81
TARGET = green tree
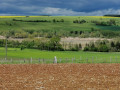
x: 55, y: 43
x: 103, y: 48
x: 54, y: 20
x: 22, y: 47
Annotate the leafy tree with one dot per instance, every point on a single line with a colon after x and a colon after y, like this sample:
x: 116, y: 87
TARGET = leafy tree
x: 54, y: 20
x: 22, y: 47
x: 86, y: 48
x: 112, y: 44
x: 62, y: 20
x: 118, y: 46
x: 55, y: 43
x: 103, y: 48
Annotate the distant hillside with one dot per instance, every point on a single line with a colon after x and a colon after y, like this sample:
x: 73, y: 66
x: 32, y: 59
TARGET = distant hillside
x: 113, y: 15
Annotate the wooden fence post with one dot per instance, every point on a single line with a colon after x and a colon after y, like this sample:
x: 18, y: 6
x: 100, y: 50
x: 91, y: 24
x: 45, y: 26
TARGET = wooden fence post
x: 11, y: 60
x: 95, y: 60
x: 116, y: 59
x: 24, y: 60
x: 74, y: 59
x: 110, y: 59
x: 87, y: 60
x: 92, y: 60
x: 66, y: 60
x: 43, y: 60
x: 1, y: 61
x: 31, y: 60
x: 60, y: 60
x: 39, y: 60
x: 80, y: 58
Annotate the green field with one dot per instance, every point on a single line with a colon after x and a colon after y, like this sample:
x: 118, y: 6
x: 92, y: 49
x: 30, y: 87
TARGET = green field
x: 65, y: 56
x: 67, y: 25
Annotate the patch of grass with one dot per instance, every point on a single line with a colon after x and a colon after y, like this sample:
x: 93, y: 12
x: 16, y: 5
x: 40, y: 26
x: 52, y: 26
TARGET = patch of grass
x: 63, y: 56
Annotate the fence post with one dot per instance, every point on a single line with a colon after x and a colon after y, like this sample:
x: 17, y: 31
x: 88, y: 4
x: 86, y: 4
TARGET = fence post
x: 20, y: 61
x: 87, y: 60
x: 55, y: 59
x: 105, y: 60
x: 60, y: 60
x: 24, y: 60
x: 92, y: 60
x: 43, y: 60
x: 74, y: 59
x: 110, y: 59
x: 66, y: 60
x: 39, y: 60
x: 96, y: 60
x: 11, y: 60
x: 31, y: 59
x: 80, y: 59
x: 116, y: 59
x: 1, y: 61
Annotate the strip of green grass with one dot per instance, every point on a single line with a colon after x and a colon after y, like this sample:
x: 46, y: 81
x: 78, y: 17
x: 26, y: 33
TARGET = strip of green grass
x: 63, y: 56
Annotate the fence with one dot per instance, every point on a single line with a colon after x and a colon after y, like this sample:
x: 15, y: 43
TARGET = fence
x: 60, y: 60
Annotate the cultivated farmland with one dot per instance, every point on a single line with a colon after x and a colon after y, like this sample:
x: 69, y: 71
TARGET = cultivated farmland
x: 60, y: 77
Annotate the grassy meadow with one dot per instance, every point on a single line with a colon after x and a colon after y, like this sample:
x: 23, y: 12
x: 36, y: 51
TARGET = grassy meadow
x: 65, y: 56
x: 67, y: 25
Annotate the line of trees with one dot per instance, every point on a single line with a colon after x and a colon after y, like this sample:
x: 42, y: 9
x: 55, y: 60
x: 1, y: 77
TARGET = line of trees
x: 42, y: 44
x: 31, y: 20
x: 111, y: 22
x: 54, y: 20
x: 31, y: 33
x: 54, y: 44
x: 103, y: 46
x: 51, y: 44
x: 79, y: 21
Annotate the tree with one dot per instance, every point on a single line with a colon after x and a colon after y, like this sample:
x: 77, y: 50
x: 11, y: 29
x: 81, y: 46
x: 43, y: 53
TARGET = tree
x: 112, y: 44
x: 80, y: 46
x: 22, y: 47
x: 86, y: 48
x: 54, y: 20
x: 54, y: 43
x: 62, y: 20
x: 117, y: 46
x: 103, y: 48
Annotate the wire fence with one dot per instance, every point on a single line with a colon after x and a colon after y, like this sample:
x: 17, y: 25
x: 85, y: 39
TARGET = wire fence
x: 59, y: 60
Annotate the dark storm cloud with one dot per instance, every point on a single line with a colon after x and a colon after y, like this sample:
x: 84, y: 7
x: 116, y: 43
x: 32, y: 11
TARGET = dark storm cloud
x: 59, y: 7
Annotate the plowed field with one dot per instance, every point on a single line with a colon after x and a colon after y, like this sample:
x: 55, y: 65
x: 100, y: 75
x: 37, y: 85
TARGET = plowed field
x: 60, y: 77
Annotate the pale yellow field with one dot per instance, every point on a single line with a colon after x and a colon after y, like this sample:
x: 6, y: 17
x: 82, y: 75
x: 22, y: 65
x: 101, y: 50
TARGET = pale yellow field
x: 15, y: 16
x: 102, y: 17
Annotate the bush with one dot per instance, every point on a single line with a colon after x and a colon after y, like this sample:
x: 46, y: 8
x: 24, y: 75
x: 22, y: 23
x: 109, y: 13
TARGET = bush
x: 103, y: 48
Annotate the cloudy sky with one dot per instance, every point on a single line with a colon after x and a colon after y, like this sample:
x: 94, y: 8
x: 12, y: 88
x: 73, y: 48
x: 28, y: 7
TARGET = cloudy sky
x: 60, y: 7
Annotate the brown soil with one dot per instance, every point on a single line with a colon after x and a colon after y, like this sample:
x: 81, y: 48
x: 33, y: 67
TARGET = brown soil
x: 60, y: 77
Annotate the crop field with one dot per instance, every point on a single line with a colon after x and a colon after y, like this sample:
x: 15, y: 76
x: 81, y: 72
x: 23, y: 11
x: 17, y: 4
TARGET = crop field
x: 60, y: 77
x: 66, y: 26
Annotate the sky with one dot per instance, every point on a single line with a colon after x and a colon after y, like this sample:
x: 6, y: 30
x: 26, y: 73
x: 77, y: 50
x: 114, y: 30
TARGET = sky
x: 59, y: 7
